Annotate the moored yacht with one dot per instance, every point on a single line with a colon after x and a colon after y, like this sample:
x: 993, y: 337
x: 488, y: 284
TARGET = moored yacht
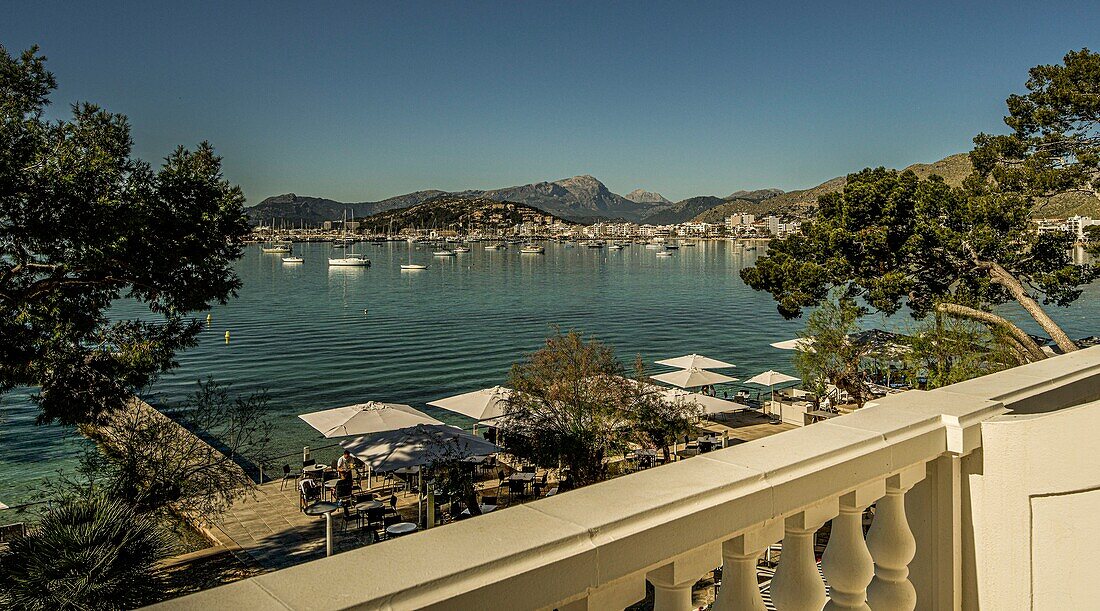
x: 532, y: 249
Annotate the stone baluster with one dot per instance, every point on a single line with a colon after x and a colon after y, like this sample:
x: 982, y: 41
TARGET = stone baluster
x: 672, y: 582
x: 740, y: 588
x: 892, y: 545
x: 797, y: 585
x: 847, y: 564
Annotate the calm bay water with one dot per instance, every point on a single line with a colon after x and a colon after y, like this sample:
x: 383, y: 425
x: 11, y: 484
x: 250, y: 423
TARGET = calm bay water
x: 317, y: 337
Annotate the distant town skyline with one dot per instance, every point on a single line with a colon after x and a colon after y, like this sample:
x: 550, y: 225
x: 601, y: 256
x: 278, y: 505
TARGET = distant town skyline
x: 361, y: 102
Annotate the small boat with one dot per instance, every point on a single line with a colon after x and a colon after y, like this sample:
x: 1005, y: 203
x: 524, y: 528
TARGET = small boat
x: 686, y: 244
x: 444, y: 253
x: 352, y: 260
x: 458, y: 249
x: 615, y: 247
x: 413, y: 266
x: 672, y: 246
x: 275, y: 248
x: 494, y: 247
x: 652, y: 245
x: 594, y: 244
x: 293, y: 260
x: 532, y: 249
x: 664, y: 253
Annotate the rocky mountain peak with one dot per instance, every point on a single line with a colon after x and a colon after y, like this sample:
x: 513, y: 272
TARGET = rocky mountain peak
x: 641, y: 196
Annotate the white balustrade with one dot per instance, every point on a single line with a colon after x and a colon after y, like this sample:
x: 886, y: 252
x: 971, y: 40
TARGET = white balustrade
x: 740, y: 588
x: 846, y: 563
x: 797, y: 584
x: 672, y: 582
x: 892, y: 545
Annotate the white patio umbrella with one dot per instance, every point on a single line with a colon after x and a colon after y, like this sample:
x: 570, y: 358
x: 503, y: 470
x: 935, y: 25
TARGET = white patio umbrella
x: 417, y: 446
x: 804, y: 344
x: 710, y: 405
x: 484, y: 404
x: 692, y: 378
x: 770, y: 379
x: 695, y: 361
x: 366, y: 418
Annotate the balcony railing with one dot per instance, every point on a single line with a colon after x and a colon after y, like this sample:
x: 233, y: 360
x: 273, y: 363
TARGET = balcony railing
x: 917, y: 456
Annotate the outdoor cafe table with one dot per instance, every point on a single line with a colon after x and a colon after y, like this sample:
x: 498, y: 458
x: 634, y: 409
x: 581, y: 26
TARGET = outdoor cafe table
x: 324, y: 508
x: 315, y: 469
x: 401, y: 528
x: 522, y: 477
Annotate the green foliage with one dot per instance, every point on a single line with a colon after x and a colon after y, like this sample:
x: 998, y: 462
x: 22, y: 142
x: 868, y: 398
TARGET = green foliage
x: 88, y: 554
x: 947, y: 349
x: 568, y: 406
x: 1054, y: 146
x: 831, y: 357
x: 83, y: 224
x: 656, y: 420
x: 186, y: 462
x: 858, y: 239
x: 895, y: 239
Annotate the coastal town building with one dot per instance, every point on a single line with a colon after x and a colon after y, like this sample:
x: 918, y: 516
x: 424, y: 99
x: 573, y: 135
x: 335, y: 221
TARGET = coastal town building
x: 1075, y: 225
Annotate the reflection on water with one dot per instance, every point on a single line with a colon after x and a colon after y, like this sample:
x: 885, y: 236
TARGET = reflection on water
x: 317, y: 336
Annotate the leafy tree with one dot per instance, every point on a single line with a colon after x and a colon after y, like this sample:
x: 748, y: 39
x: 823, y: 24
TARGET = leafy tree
x: 655, y: 418
x: 88, y: 553
x: 567, y: 407
x: 896, y: 240
x: 946, y: 349
x: 454, y: 479
x: 187, y: 460
x: 831, y: 357
x: 1092, y: 234
x: 1054, y: 146
x: 82, y: 225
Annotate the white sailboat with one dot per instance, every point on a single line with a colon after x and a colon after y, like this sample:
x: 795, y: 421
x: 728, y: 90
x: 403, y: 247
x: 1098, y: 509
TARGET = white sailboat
x: 350, y: 259
x: 532, y: 249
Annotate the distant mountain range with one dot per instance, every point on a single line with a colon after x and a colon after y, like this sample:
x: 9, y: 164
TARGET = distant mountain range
x: 585, y: 199
x: 580, y: 198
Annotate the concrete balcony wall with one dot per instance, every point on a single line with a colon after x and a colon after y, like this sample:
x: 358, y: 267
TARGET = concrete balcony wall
x: 924, y: 454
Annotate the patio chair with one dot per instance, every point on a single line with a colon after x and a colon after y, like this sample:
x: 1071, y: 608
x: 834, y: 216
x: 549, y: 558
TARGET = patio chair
x: 516, y: 489
x: 343, y: 490
x: 349, y: 516
x: 308, y: 463
x: 307, y: 492
x: 538, y: 485
x: 287, y: 476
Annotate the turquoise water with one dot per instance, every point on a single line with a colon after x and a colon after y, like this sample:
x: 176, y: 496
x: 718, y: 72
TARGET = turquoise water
x: 319, y: 337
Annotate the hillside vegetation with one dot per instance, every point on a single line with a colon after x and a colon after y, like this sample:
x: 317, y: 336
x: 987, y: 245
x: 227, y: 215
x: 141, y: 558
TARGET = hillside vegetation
x: 456, y: 213
x: 954, y: 169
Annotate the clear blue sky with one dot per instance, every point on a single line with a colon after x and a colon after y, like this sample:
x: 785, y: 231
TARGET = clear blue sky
x: 360, y: 101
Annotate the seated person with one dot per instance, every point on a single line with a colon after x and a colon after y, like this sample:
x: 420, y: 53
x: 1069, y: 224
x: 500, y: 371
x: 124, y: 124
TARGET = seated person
x: 346, y: 463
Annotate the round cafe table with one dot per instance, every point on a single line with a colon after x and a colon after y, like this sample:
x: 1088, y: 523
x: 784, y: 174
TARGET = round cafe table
x: 314, y: 469
x: 401, y: 528
x: 324, y: 508
x: 367, y: 506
